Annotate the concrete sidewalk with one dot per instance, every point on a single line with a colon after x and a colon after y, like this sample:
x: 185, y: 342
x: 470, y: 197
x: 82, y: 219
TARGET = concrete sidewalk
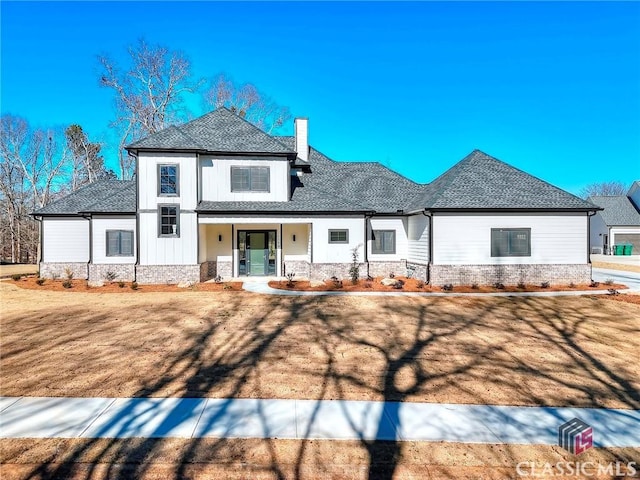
x: 31, y: 417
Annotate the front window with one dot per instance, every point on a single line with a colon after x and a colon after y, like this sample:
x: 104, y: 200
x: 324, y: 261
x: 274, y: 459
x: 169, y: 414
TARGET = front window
x: 249, y: 179
x: 169, y: 221
x: 168, y: 180
x: 119, y: 243
x: 338, y: 236
x: 510, y: 242
x: 384, y: 241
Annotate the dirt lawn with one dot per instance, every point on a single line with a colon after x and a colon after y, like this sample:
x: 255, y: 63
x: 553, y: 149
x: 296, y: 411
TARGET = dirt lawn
x: 510, y: 351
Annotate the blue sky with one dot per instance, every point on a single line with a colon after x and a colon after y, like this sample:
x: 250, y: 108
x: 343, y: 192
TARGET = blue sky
x: 551, y: 88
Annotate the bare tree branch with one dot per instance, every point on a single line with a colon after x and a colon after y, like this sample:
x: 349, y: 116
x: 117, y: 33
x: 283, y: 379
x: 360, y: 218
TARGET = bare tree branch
x: 604, y: 189
x: 247, y: 101
x: 149, y: 93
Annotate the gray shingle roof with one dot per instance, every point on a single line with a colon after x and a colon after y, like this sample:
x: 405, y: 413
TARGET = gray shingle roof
x: 104, y: 196
x: 483, y: 182
x: 478, y: 182
x: 217, y: 131
x: 336, y: 186
x: 618, y: 210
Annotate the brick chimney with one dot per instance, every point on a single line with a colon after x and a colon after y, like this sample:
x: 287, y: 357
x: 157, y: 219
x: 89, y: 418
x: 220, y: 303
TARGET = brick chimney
x: 302, y: 138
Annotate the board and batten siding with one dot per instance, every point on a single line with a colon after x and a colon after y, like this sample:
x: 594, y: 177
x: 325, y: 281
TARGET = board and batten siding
x: 557, y: 238
x: 148, y: 197
x: 65, y: 239
x: 399, y: 225
x: 325, y: 252
x: 99, y: 234
x: 418, y: 239
x: 215, y: 179
x: 155, y: 250
x: 182, y: 250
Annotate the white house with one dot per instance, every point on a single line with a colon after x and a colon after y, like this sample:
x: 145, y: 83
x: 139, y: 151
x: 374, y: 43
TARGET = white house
x: 217, y: 196
x: 618, y: 223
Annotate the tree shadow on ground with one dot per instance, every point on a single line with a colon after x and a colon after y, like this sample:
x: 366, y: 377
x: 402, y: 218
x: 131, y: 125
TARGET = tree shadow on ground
x: 388, y: 349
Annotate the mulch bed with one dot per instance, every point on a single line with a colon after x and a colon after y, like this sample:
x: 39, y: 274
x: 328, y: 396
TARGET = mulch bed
x: 626, y: 298
x: 413, y: 285
x: 114, y: 287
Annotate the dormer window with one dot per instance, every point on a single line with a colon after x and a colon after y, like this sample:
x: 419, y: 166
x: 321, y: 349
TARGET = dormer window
x: 168, y: 180
x: 250, y: 179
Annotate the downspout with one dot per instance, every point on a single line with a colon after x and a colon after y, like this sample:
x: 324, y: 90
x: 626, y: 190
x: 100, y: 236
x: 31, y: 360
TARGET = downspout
x: 135, y: 266
x: 89, y: 218
x: 40, y: 254
x: 198, y: 195
x: 429, y: 215
x: 282, y: 272
x: 589, y: 215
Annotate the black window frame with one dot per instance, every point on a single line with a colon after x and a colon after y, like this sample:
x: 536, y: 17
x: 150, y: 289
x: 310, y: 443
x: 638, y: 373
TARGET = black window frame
x: 496, y: 251
x: 339, y: 230
x: 161, y: 216
x: 251, y: 169
x: 177, y: 174
x: 119, y: 232
x: 381, y: 233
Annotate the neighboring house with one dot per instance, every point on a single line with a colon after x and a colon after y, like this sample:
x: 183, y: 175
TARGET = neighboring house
x: 618, y: 223
x: 217, y: 196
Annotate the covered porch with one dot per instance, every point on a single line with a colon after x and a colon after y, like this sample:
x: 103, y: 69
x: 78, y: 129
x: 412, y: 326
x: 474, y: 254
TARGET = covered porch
x: 247, y: 247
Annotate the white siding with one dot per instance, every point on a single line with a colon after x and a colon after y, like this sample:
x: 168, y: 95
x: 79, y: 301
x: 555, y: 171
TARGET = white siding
x: 216, y: 179
x: 99, y: 235
x: 148, y: 180
x: 65, y: 239
x: 418, y: 239
x: 324, y: 252
x: 460, y: 239
x: 598, y: 229
x: 399, y: 225
x: 156, y: 250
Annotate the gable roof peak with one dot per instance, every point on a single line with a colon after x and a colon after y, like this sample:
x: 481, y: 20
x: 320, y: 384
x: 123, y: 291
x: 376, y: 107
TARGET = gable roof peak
x: 220, y: 131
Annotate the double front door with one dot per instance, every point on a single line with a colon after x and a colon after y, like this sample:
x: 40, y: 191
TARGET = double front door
x: 257, y: 252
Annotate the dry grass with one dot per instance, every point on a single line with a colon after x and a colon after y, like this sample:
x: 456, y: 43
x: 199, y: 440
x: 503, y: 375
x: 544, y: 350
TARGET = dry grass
x: 510, y: 351
x: 514, y: 351
x: 279, y: 459
x: 617, y: 266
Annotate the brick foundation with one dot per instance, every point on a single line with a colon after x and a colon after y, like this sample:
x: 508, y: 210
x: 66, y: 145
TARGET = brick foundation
x: 323, y: 271
x: 124, y: 272
x: 210, y: 269
x: 419, y: 271
x: 383, y: 269
x: 172, y: 274
x: 299, y: 267
x: 509, y: 274
x: 59, y: 270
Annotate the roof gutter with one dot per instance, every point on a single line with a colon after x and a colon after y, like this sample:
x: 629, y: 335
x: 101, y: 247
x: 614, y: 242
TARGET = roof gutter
x: 134, y: 152
x: 429, y: 214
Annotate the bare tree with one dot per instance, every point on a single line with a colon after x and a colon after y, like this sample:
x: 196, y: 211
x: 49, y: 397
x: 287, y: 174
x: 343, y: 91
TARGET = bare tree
x: 604, y: 189
x: 149, y: 93
x: 247, y: 101
x: 32, y: 164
